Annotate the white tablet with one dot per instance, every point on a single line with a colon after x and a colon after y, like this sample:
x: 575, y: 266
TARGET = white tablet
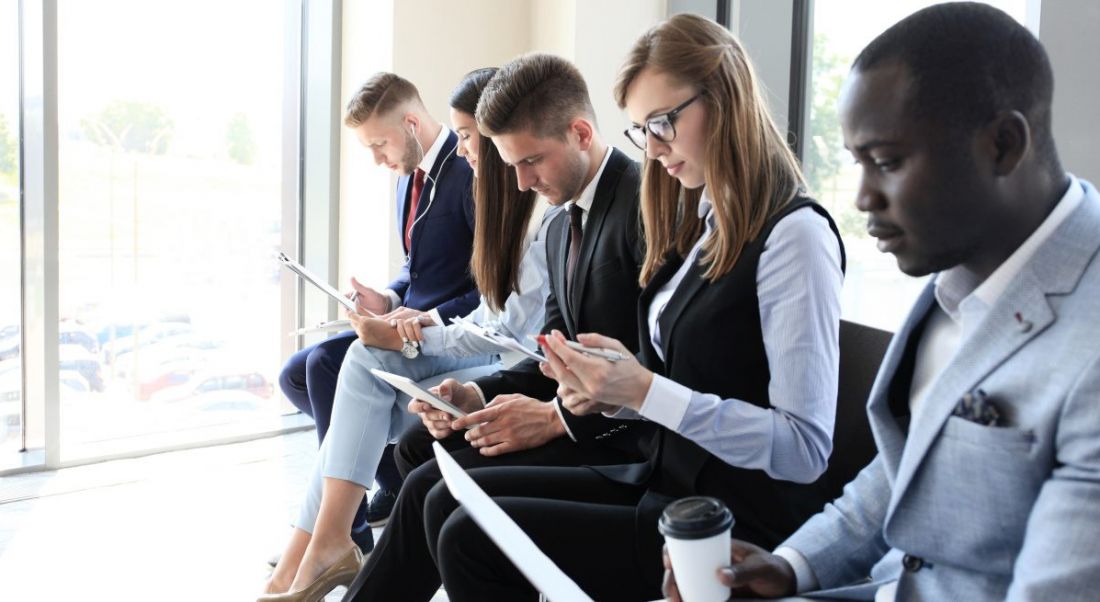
x: 409, y: 387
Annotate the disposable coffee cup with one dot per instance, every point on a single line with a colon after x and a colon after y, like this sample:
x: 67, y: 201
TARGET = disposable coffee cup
x: 697, y: 534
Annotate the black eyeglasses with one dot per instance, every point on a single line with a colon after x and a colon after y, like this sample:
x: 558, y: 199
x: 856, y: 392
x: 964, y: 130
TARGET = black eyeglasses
x: 662, y: 126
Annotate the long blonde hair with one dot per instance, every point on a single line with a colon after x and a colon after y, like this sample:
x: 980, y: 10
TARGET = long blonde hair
x: 750, y: 173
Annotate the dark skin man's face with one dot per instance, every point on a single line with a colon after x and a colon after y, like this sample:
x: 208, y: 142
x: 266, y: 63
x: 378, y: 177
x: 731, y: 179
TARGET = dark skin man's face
x: 927, y: 191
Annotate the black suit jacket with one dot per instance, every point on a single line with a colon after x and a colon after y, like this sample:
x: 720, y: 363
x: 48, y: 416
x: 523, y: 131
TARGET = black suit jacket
x: 605, y: 292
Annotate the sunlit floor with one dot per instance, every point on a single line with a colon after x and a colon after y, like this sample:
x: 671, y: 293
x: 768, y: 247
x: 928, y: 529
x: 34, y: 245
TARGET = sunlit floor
x: 190, y: 525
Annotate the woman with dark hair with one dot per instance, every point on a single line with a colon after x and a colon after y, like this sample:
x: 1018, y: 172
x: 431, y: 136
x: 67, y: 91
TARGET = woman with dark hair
x: 739, y: 326
x: 509, y: 266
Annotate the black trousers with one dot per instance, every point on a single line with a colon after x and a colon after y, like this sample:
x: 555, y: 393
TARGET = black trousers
x: 584, y: 522
x: 401, y: 566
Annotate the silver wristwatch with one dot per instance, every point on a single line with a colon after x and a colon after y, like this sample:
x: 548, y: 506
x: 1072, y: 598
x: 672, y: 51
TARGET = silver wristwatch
x: 410, y: 350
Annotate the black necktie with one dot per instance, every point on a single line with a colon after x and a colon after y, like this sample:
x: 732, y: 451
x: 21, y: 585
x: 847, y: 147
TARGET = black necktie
x: 575, y: 235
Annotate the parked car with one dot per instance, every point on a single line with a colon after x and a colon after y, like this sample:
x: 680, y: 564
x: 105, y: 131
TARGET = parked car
x: 252, y: 382
x: 77, y: 359
x: 165, y: 375
x: 146, y: 335
x: 11, y: 406
x: 69, y: 333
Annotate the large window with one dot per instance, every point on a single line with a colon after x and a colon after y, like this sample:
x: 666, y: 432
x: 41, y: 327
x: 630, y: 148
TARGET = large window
x: 170, y: 139
x: 875, y: 291
x: 11, y: 376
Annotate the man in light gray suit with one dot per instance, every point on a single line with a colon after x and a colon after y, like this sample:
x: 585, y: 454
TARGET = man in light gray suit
x: 986, y: 409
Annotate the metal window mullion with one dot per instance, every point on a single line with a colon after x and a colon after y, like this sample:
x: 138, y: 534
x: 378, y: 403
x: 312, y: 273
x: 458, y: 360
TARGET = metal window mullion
x: 799, y: 102
x: 39, y: 217
x: 321, y: 71
x: 290, y: 316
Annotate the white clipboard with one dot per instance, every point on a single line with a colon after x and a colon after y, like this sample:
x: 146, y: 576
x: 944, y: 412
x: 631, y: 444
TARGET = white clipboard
x: 331, y: 326
x: 308, y: 276
x: 500, y: 340
x: 536, y: 566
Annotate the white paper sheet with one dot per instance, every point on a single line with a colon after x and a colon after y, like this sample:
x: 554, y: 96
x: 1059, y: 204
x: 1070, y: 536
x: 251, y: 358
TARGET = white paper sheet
x: 537, y: 567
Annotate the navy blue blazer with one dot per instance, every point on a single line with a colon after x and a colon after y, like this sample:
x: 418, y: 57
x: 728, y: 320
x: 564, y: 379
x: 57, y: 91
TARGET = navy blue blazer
x: 437, y: 272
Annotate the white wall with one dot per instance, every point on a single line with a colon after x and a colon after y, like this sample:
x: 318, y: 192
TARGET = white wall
x: 605, y: 31
x: 434, y: 43
x: 367, y: 216
x: 1068, y: 30
x: 552, y: 27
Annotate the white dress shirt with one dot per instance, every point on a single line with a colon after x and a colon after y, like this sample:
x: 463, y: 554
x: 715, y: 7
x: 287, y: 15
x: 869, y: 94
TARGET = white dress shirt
x: 798, y: 280
x: 584, y: 200
x: 962, y: 302
x: 523, y: 311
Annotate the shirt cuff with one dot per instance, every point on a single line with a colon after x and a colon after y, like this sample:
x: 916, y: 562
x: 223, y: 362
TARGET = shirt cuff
x: 623, y: 413
x: 666, y: 402
x: 480, y: 393
x: 433, y: 340
x: 557, y: 406
x: 395, y: 300
x: 438, y: 319
x: 804, y: 577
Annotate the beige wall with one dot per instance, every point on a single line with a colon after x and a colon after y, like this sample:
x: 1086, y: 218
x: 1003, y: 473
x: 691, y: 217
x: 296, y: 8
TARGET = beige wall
x: 434, y: 43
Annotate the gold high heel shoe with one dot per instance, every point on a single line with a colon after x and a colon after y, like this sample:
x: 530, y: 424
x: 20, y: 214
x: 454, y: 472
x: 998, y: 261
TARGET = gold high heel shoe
x: 341, y: 573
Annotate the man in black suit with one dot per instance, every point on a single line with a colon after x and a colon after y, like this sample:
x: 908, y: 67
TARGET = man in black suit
x: 539, y: 115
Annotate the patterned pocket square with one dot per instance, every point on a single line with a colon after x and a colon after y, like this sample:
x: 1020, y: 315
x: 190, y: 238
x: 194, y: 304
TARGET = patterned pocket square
x: 978, y: 408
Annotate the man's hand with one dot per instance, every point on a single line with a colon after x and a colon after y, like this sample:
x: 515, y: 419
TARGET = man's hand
x: 369, y: 301
x: 753, y: 573
x: 374, y: 332
x: 512, y: 423
x: 439, y: 422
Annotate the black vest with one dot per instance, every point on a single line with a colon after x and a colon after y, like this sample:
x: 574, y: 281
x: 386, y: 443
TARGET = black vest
x: 713, y: 343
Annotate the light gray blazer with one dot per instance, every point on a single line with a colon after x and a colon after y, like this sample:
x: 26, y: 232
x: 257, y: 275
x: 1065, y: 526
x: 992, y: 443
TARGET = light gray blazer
x: 1006, y: 512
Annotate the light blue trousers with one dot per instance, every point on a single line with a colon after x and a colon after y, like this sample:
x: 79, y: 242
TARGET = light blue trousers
x: 367, y: 414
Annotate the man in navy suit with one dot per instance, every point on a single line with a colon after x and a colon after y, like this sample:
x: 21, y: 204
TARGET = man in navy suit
x: 436, y: 220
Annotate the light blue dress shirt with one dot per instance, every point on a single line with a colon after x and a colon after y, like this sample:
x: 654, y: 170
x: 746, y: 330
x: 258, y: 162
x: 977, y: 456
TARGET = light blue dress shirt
x: 798, y: 282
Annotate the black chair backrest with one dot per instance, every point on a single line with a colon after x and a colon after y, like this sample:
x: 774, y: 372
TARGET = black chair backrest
x: 861, y: 351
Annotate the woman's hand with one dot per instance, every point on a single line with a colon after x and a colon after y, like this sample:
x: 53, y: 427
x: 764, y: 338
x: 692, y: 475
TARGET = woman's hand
x: 589, y: 379
x: 411, y: 329
x: 403, y: 313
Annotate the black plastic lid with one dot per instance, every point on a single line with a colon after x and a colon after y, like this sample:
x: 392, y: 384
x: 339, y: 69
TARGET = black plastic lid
x: 696, y: 517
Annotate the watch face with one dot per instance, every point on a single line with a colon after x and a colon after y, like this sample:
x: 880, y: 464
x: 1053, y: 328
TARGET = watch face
x: 409, y: 350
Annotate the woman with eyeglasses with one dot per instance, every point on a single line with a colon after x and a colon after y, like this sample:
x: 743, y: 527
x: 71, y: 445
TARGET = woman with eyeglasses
x: 739, y: 325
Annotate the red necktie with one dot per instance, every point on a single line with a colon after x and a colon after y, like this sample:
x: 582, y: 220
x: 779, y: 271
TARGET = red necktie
x: 414, y: 201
